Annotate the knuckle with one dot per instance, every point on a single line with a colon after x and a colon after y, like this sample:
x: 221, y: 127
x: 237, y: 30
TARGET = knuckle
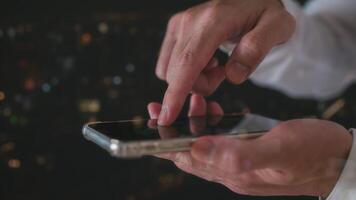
x: 213, y: 10
x: 253, y: 44
x: 186, y: 58
x: 173, y: 23
x: 211, y: 16
x: 174, y: 20
x: 188, y: 16
x: 252, y: 49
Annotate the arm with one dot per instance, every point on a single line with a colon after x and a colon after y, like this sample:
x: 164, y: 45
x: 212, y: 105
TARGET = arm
x: 319, y: 61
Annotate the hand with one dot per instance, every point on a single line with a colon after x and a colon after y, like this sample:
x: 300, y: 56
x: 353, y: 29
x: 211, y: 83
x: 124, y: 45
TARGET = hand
x: 297, y: 157
x: 198, y: 107
x: 186, y: 58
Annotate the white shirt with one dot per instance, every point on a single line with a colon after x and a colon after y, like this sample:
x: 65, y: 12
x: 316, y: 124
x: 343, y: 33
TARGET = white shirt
x: 319, y: 62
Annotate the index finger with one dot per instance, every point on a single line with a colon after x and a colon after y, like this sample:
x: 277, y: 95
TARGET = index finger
x: 188, y: 60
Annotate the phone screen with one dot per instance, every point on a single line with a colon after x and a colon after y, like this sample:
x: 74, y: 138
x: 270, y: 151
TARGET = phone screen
x: 136, y: 130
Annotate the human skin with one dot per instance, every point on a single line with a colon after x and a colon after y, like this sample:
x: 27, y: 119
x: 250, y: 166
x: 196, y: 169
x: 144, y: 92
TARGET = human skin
x: 297, y: 157
x: 186, y: 60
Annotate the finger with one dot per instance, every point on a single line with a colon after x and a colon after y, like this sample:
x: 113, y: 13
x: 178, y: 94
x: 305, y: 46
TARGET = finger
x: 152, y: 123
x: 188, y: 59
x: 215, y: 109
x: 165, y: 132
x: 215, y: 113
x: 167, y: 47
x: 154, y: 109
x: 209, y: 80
x: 236, y: 156
x: 197, y: 125
x: 197, y: 108
x: 255, y: 45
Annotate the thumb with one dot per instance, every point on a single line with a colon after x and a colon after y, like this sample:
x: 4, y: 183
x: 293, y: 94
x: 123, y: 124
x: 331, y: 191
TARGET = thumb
x: 255, y: 45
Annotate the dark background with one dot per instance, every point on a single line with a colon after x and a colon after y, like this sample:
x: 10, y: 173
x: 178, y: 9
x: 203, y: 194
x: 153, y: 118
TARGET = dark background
x: 65, y: 63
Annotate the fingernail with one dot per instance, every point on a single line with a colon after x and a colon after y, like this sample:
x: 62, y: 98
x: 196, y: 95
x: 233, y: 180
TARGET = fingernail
x: 242, y: 72
x: 152, y: 115
x: 162, y: 119
x: 203, y: 150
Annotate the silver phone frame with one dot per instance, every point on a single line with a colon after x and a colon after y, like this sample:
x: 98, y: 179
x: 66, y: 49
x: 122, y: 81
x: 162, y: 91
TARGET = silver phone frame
x: 134, y: 149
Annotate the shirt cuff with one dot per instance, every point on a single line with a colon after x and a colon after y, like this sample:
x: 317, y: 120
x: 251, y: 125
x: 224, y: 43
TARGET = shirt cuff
x: 345, y: 188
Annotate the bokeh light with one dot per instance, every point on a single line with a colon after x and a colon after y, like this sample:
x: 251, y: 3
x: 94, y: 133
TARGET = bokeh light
x: 89, y: 105
x: 46, y: 87
x: 30, y: 84
x: 117, y: 80
x: 103, y: 28
x: 86, y: 39
x: 2, y: 96
x: 14, y: 163
x: 7, y: 147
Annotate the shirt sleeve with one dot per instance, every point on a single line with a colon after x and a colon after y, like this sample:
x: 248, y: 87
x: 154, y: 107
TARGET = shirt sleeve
x: 319, y: 61
x: 345, y: 188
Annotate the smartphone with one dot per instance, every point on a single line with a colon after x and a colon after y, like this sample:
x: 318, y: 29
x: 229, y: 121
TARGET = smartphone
x: 136, y: 138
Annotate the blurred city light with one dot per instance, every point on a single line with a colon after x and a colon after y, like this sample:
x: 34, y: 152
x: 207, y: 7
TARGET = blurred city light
x: 30, y: 84
x: 14, y: 163
x: 103, y: 28
x: 46, y: 87
x: 86, y: 39
x: 2, y: 95
x: 89, y: 105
